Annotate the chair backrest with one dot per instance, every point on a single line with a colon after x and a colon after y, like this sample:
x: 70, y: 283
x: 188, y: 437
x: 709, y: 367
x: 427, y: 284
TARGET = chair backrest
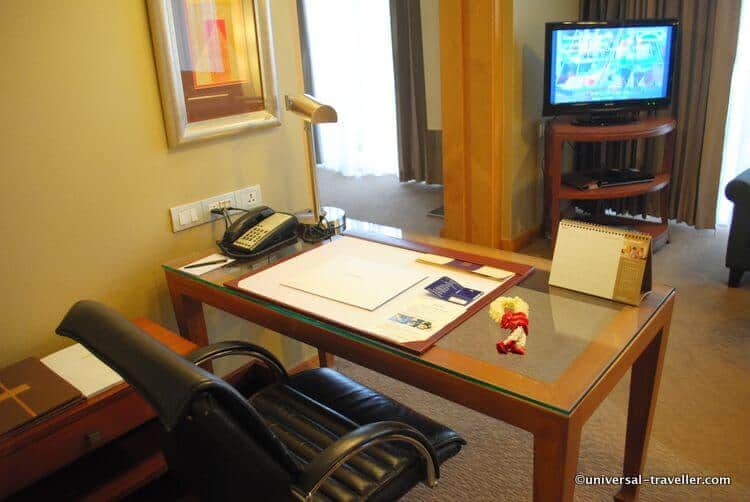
x: 214, y: 437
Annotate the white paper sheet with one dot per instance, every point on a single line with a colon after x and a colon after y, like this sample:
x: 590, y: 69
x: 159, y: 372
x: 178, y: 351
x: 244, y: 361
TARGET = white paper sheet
x: 361, y: 283
x: 82, y: 369
x: 434, y: 258
x: 495, y: 273
x: 207, y: 268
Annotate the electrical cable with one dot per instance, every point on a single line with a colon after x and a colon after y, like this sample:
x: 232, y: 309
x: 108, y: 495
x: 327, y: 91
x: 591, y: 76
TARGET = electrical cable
x: 224, y: 212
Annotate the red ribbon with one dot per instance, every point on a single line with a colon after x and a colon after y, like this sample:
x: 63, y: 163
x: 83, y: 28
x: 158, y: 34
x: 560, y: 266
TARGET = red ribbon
x: 510, y: 346
x: 513, y: 320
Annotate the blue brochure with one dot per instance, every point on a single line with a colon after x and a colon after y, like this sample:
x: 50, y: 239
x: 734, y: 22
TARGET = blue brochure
x: 449, y: 290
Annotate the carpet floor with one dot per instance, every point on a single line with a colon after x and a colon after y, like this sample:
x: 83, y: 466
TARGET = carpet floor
x: 702, y: 420
x: 383, y: 200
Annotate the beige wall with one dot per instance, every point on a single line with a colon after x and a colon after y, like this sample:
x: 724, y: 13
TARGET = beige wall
x: 524, y: 190
x: 86, y: 179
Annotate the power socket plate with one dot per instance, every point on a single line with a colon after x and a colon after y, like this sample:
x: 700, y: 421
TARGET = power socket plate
x: 249, y: 197
x: 217, y: 202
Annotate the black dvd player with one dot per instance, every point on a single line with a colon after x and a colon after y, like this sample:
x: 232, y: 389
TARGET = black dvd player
x: 605, y: 177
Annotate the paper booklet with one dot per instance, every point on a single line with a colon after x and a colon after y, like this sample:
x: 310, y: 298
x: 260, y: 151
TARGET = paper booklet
x: 30, y: 392
x: 602, y: 261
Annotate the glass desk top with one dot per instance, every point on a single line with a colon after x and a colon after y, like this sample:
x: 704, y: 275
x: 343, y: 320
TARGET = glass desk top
x: 573, y: 338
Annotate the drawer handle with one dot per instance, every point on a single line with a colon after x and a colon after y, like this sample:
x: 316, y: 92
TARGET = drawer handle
x: 94, y: 438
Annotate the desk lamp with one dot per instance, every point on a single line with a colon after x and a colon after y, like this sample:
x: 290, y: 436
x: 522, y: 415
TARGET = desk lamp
x: 323, y: 221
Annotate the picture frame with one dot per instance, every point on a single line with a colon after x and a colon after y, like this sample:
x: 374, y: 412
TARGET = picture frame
x: 216, y: 68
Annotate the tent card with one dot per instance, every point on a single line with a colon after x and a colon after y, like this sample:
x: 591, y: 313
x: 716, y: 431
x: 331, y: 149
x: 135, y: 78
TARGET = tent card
x: 602, y: 261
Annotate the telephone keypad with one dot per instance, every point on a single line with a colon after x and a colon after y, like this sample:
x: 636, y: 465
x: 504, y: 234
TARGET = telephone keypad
x: 258, y: 233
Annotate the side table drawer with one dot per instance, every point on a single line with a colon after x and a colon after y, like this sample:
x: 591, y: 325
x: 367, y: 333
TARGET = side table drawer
x: 60, y: 445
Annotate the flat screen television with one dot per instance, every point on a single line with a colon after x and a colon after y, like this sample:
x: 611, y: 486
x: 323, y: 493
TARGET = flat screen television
x: 606, y: 68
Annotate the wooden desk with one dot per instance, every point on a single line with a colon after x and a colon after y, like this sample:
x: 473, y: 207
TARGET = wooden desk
x: 579, y: 347
x: 34, y: 453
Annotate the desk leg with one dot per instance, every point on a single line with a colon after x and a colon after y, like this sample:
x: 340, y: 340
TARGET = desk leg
x: 556, y: 462
x: 325, y: 360
x: 189, y: 314
x: 644, y: 387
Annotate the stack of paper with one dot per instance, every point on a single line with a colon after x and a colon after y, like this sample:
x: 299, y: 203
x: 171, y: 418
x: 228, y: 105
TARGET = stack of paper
x: 195, y: 268
x: 82, y: 369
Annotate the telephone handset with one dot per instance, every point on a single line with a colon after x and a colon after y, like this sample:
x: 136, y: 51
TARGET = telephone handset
x: 258, y: 231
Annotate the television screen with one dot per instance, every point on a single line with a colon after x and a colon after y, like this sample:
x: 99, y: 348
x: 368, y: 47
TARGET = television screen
x: 609, y: 64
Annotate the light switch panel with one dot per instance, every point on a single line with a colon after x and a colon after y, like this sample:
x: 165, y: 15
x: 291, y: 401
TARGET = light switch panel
x: 186, y: 216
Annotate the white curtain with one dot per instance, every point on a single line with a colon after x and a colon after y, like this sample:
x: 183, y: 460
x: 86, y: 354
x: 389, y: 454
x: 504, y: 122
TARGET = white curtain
x: 736, y: 156
x: 352, y: 70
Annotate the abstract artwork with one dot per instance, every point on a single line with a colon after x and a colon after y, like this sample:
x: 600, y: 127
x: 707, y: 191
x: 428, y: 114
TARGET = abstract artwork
x: 215, y: 65
x: 218, y: 47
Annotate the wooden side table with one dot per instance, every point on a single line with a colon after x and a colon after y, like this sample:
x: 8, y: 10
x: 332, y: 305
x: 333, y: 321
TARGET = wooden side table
x: 97, y: 423
x: 560, y: 131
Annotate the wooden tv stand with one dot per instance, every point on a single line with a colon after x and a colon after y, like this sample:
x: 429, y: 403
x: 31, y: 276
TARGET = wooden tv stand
x: 560, y: 131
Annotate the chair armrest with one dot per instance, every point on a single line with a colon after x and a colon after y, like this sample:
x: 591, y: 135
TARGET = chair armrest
x: 325, y: 464
x: 235, y: 347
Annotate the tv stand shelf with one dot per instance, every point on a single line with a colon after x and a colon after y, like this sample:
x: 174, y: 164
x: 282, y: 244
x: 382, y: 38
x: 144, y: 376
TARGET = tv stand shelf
x: 559, y: 132
x: 615, y: 192
x: 646, y: 128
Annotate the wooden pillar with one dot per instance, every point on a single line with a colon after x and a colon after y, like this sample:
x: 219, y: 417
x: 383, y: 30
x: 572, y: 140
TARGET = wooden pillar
x: 476, y: 47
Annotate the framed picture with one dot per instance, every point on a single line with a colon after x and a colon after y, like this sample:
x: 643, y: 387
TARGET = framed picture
x: 216, y: 68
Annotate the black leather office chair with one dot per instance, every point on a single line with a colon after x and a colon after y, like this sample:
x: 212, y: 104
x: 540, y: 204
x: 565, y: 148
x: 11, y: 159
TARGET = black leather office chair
x: 738, y: 245
x: 316, y: 435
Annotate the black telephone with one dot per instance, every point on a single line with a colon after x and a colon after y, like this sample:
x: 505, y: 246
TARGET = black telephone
x: 258, y: 231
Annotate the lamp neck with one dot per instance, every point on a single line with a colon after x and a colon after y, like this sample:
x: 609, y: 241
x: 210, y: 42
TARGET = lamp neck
x: 312, y: 170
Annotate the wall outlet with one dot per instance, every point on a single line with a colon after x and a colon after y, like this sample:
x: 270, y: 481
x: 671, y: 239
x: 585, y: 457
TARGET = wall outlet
x: 249, y: 197
x: 217, y: 202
